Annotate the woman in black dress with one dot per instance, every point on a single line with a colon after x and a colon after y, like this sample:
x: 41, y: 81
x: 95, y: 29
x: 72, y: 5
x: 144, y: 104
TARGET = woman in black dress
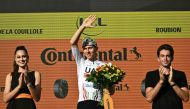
x: 22, y: 86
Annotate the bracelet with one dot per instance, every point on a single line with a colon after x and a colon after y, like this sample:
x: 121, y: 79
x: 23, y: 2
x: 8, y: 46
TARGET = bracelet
x: 173, y: 84
x: 29, y: 85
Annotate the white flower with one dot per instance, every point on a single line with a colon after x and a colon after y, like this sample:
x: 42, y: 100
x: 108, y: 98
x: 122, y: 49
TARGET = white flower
x: 110, y: 64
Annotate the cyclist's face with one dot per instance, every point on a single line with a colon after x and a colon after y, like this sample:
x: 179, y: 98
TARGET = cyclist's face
x: 90, y: 52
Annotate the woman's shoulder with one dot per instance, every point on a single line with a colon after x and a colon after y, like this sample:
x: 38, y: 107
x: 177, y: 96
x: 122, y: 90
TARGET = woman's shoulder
x: 36, y: 73
x: 9, y: 75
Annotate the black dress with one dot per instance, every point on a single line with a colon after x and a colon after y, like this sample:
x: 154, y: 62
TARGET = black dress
x: 21, y: 103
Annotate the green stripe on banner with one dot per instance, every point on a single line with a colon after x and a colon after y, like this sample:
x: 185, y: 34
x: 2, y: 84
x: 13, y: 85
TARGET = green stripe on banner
x: 171, y: 24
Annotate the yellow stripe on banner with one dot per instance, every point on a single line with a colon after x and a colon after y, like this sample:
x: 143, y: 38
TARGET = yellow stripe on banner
x: 165, y: 24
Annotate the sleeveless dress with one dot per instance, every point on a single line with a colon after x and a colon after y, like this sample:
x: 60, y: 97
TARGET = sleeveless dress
x: 21, y: 103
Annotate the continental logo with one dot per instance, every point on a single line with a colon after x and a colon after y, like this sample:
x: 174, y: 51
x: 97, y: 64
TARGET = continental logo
x: 98, y: 23
x: 122, y: 87
x: 51, y: 56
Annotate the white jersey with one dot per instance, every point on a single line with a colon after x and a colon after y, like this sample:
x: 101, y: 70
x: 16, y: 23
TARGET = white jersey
x: 86, y: 89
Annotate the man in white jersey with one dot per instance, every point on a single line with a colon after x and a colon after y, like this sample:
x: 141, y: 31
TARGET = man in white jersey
x: 89, y: 96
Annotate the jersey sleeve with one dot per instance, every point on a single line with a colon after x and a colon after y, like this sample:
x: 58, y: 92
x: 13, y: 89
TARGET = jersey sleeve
x: 76, y: 53
x: 149, y: 80
x: 183, y: 80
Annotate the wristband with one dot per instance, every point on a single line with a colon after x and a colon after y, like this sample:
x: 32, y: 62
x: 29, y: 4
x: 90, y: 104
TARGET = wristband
x: 29, y: 85
x: 173, y: 84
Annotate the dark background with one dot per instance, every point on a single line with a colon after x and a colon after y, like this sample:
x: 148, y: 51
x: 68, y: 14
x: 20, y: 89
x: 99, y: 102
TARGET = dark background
x: 19, y: 6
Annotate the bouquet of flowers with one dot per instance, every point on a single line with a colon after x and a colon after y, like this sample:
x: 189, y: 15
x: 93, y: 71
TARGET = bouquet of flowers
x: 104, y: 77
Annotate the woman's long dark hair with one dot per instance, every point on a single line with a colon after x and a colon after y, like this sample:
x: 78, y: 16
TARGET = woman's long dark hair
x: 15, y: 66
